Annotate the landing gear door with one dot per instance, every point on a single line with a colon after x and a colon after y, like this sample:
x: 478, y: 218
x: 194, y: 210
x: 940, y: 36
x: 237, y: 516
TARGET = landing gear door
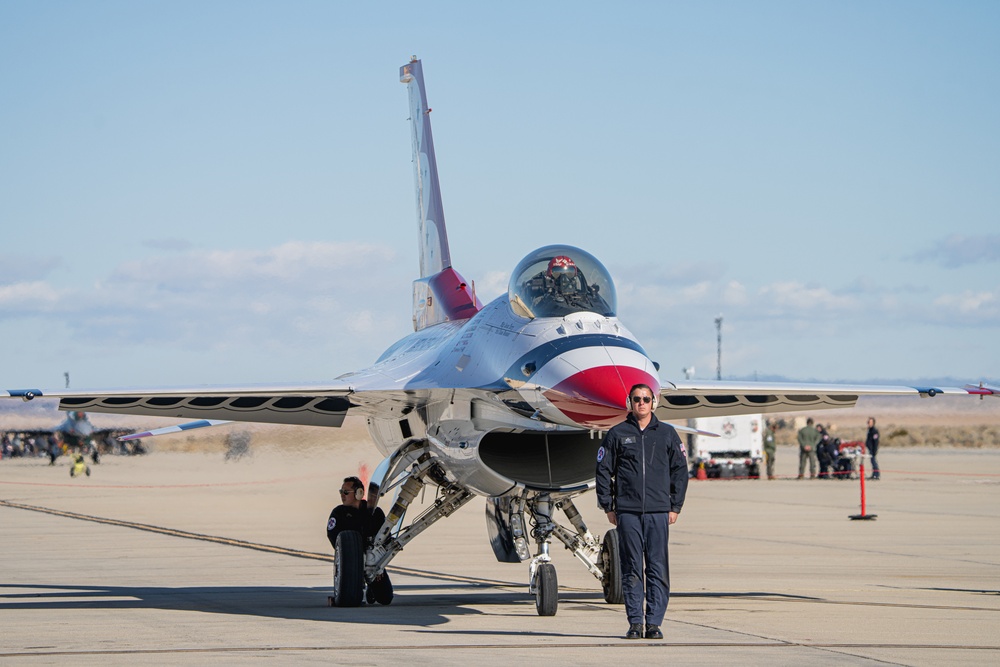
x: 505, y: 526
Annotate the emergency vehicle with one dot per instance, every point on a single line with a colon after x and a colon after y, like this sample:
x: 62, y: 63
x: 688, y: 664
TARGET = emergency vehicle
x: 737, y: 452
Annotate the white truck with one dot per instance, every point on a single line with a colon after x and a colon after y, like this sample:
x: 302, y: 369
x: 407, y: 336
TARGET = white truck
x: 737, y: 452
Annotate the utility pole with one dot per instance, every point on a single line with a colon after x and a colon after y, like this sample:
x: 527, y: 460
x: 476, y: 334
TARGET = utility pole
x: 718, y: 337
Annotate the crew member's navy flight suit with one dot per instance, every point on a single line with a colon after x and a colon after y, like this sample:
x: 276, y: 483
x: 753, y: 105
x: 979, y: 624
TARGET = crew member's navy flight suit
x: 362, y: 519
x: 366, y: 521
x: 642, y: 476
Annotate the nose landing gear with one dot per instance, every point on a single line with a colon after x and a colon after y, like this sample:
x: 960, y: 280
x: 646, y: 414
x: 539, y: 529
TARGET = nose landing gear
x: 602, y: 560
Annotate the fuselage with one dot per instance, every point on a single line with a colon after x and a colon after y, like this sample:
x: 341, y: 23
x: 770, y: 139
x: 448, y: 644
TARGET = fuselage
x: 536, y: 393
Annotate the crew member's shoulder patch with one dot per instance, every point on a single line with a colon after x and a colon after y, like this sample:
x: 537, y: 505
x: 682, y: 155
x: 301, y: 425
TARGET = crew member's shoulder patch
x: 331, y: 524
x: 684, y: 450
x: 600, y: 454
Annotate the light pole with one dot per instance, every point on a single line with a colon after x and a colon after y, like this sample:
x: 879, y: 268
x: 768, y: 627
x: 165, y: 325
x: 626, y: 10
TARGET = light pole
x: 718, y: 337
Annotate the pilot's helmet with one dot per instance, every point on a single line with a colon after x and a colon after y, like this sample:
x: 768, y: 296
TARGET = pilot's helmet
x: 560, y: 266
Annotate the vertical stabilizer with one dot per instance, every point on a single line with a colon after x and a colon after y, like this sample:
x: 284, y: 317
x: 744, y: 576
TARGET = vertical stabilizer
x: 434, y: 253
x: 440, y: 294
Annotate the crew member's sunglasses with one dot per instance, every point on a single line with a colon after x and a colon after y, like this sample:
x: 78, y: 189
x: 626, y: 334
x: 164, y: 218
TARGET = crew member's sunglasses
x: 345, y: 493
x: 642, y: 399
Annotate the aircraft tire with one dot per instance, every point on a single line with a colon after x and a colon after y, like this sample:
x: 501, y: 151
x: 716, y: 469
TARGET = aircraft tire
x: 611, y: 566
x: 348, y: 570
x: 546, y: 590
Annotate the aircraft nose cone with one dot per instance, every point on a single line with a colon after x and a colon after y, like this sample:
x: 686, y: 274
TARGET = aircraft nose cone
x: 597, y: 397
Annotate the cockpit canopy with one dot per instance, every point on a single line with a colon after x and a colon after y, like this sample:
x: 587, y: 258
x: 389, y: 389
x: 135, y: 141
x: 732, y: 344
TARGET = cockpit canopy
x: 558, y: 280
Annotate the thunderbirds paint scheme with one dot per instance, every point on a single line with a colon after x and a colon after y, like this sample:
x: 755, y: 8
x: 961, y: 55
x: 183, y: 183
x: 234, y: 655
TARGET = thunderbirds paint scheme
x: 507, y: 400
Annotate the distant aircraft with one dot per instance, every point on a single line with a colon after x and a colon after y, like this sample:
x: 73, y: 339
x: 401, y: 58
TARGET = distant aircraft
x: 76, y: 431
x: 506, y: 400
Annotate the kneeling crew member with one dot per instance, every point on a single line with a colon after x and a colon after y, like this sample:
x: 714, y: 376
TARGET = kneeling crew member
x: 642, y: 478
x: 354, y: 514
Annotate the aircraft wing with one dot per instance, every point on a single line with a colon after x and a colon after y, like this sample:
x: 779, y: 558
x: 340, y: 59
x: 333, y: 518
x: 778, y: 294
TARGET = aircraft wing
x: 319, y: 404
x: 687, y: 400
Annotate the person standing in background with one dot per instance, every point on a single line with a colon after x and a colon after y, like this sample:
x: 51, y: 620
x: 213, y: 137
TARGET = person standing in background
x: 871, y: 444
x: 808, y: 438
x: 769, y: 447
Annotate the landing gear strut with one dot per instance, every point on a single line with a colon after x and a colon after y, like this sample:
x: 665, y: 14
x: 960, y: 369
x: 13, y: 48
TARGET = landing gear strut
x: 601, y: 560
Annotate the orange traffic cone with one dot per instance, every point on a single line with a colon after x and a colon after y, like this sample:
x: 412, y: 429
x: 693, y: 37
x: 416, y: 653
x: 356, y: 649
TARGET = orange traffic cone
x: 701, y: 474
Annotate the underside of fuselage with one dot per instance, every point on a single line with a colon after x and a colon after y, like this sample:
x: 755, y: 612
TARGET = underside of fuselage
x: 501, y: 461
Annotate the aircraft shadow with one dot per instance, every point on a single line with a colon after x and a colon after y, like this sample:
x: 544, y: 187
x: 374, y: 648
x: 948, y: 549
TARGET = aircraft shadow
x: 414, y: 605
x: 411, y: 607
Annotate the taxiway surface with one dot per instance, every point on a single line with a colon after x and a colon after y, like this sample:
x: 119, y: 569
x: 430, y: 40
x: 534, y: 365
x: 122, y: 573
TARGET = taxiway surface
x: 185, y: 558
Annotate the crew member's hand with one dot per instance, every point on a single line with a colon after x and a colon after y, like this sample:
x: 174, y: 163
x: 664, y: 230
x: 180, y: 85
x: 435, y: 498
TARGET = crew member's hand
x: 613, y: 519
x: 672, y: 518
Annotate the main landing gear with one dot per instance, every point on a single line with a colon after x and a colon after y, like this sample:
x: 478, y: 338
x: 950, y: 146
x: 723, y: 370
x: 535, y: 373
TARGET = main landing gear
x: 411, y: 468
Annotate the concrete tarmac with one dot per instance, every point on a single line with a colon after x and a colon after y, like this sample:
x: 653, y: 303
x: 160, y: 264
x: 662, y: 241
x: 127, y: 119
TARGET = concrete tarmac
x: 182, y: 558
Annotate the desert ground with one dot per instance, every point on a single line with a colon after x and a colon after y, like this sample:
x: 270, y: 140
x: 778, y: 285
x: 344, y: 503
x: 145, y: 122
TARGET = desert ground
x: 182, y: 556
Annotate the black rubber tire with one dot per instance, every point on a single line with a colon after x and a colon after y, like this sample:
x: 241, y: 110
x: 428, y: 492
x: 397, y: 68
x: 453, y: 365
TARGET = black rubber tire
x: 547, y: 590
x: 611, y: 566
x: 348, y: 570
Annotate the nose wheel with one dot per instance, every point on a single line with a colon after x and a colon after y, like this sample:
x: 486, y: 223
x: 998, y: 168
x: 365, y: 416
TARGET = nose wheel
x: 546, y: 590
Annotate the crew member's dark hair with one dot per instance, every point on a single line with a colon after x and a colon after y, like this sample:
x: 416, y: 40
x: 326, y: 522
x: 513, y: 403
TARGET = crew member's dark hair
x: 356, y: 482
x: 640, y: 386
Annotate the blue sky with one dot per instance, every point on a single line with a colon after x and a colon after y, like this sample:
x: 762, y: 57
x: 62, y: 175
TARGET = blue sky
x: 222, y: 192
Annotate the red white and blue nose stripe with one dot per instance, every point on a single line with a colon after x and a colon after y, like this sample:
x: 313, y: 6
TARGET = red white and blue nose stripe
x: 589, y: 385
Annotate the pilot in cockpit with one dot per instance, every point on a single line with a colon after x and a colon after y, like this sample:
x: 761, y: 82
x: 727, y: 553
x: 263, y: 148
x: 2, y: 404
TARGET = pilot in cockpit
x: 565, y: 276
x: 561, y: 289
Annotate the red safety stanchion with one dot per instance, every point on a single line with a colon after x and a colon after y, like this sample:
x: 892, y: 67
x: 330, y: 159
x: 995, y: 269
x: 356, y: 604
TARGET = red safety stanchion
x: 863, y: 516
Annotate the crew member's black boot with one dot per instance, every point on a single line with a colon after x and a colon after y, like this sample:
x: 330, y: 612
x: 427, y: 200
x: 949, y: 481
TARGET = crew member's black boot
x: 634, y: 631
x: 653, y: 632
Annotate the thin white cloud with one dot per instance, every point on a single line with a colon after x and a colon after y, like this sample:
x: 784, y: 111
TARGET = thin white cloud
x: 313, y: 293
x: 792, y: 296
x: 309, y: 265
x: 169, y: 244
x: 492, y: 285
x: 968, y: 308
x: 957, y: 250
x: 27, y: 297
x: 21, y: 268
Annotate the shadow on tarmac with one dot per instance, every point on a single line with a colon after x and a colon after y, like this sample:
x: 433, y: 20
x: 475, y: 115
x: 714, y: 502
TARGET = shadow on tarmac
x: 410, y: 608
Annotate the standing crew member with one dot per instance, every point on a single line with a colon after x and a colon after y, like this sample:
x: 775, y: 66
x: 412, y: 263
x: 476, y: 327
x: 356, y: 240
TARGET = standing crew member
x: 354, y: 514
x: 642, y: 477
x: 769, y: 447
x: 808, y: 437
x: 871, y: 444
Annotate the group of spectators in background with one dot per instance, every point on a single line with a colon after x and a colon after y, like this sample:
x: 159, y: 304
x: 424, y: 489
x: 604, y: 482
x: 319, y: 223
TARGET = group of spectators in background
x: 835, y: 459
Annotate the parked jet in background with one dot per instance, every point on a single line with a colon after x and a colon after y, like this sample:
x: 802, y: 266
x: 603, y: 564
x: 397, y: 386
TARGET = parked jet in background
x: 506, y: 400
